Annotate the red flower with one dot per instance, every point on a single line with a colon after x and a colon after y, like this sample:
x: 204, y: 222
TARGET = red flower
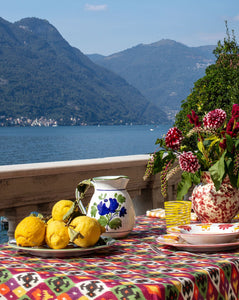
x: 193, y: 119
x: 189, y: 162
x: 235, y: 111
x: 173, y: 138
x: 232, y: 127
x: 214, y: 119
x: 223, y: 144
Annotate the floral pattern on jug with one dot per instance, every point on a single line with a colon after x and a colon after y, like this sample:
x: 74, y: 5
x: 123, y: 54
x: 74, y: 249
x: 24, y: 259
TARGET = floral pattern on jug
x: 112, y: 206
x: 110, y: 210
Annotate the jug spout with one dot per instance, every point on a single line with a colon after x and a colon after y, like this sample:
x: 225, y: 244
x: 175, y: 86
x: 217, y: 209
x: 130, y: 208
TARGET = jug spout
x: 110, y: 182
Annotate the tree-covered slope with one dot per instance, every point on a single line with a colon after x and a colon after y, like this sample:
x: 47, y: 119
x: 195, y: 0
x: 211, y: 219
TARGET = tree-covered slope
x: 42, y: 75
x: 164, y: 72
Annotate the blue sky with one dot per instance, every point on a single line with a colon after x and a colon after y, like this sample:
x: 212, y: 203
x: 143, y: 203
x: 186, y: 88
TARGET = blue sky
x: 109, y: 26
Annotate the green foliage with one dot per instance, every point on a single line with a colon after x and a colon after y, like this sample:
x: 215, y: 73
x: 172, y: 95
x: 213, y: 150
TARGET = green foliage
x: 217, y: 171
x: 187, y: 180
x: 42, y: 75
x: 219, y: 88
x: 214, y: 149
x: 163, y: 71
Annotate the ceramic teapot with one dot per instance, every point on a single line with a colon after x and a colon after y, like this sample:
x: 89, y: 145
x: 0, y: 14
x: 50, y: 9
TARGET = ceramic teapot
x: 111, y: 205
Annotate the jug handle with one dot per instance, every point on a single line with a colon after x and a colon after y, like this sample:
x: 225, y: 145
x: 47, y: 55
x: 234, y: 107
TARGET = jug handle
x: 81, y: 189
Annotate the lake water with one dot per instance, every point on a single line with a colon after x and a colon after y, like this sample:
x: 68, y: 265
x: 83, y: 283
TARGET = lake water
x: 22, y: 145
x: 3, y: 236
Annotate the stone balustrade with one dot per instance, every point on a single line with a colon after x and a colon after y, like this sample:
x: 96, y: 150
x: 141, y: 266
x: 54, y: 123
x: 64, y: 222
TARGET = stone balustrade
x: 36, y: 187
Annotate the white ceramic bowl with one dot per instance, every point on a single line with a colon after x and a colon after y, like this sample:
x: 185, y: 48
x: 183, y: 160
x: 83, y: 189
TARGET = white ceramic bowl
x: 207, y: 233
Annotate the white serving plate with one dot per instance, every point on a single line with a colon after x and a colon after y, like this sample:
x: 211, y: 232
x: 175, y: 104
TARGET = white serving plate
x: 177, y: 242
x: 207, y: 233
x: 71, y: 251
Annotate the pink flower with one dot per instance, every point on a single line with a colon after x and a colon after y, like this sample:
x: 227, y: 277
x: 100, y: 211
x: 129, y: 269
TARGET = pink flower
x: 193, y: 119
x: 189, y: 162
x: 173, y: 138
x: 214, y: 119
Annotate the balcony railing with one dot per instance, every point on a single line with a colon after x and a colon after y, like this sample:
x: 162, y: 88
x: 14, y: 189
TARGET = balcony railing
x: 36, y: 187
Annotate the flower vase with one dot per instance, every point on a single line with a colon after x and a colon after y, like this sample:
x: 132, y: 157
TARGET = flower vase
x: 215, y: 206
x: 112, y: 206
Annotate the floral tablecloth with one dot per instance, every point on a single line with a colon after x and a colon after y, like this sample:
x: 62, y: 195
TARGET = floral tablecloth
x: 127, y: 270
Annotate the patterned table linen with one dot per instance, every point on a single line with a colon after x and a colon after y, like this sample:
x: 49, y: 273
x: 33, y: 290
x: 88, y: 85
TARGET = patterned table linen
x: 128, y: 270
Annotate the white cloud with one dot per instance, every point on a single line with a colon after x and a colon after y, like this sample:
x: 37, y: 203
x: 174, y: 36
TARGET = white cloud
x: 95, y: 7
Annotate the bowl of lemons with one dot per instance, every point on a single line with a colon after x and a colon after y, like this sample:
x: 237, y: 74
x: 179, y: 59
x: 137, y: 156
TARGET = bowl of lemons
x: 58, y: 235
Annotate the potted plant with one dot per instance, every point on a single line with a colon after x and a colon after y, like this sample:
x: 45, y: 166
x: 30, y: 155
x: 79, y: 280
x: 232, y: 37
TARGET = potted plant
x: 208, y: 157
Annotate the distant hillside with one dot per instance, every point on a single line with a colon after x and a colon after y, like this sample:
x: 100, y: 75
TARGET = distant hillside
x: 41, y: 75
x: 164, y: 72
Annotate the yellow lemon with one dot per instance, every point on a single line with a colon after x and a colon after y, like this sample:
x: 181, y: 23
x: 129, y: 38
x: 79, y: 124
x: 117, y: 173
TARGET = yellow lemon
x: 57, y: 236
x: 30, y: 232
x: 90, y: 231
x: 49, y: 221
x: 60, y: 209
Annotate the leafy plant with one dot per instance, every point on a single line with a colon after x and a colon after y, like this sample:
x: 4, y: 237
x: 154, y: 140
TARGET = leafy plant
x: 218, y: 88
x: 211, y: 145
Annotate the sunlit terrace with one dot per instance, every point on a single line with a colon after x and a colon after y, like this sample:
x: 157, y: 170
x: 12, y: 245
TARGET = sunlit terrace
x: 36, y: 187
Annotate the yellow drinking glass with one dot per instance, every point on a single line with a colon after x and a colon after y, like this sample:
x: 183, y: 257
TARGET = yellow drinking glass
x: 177, y: 213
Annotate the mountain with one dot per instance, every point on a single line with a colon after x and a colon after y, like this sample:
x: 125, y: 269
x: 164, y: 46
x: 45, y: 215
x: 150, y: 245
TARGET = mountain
x: 42, y: 76
x: 164, y: 71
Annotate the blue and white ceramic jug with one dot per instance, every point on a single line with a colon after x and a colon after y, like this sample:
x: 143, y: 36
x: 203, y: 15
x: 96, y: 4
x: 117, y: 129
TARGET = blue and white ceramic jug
x: 112, y: 206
